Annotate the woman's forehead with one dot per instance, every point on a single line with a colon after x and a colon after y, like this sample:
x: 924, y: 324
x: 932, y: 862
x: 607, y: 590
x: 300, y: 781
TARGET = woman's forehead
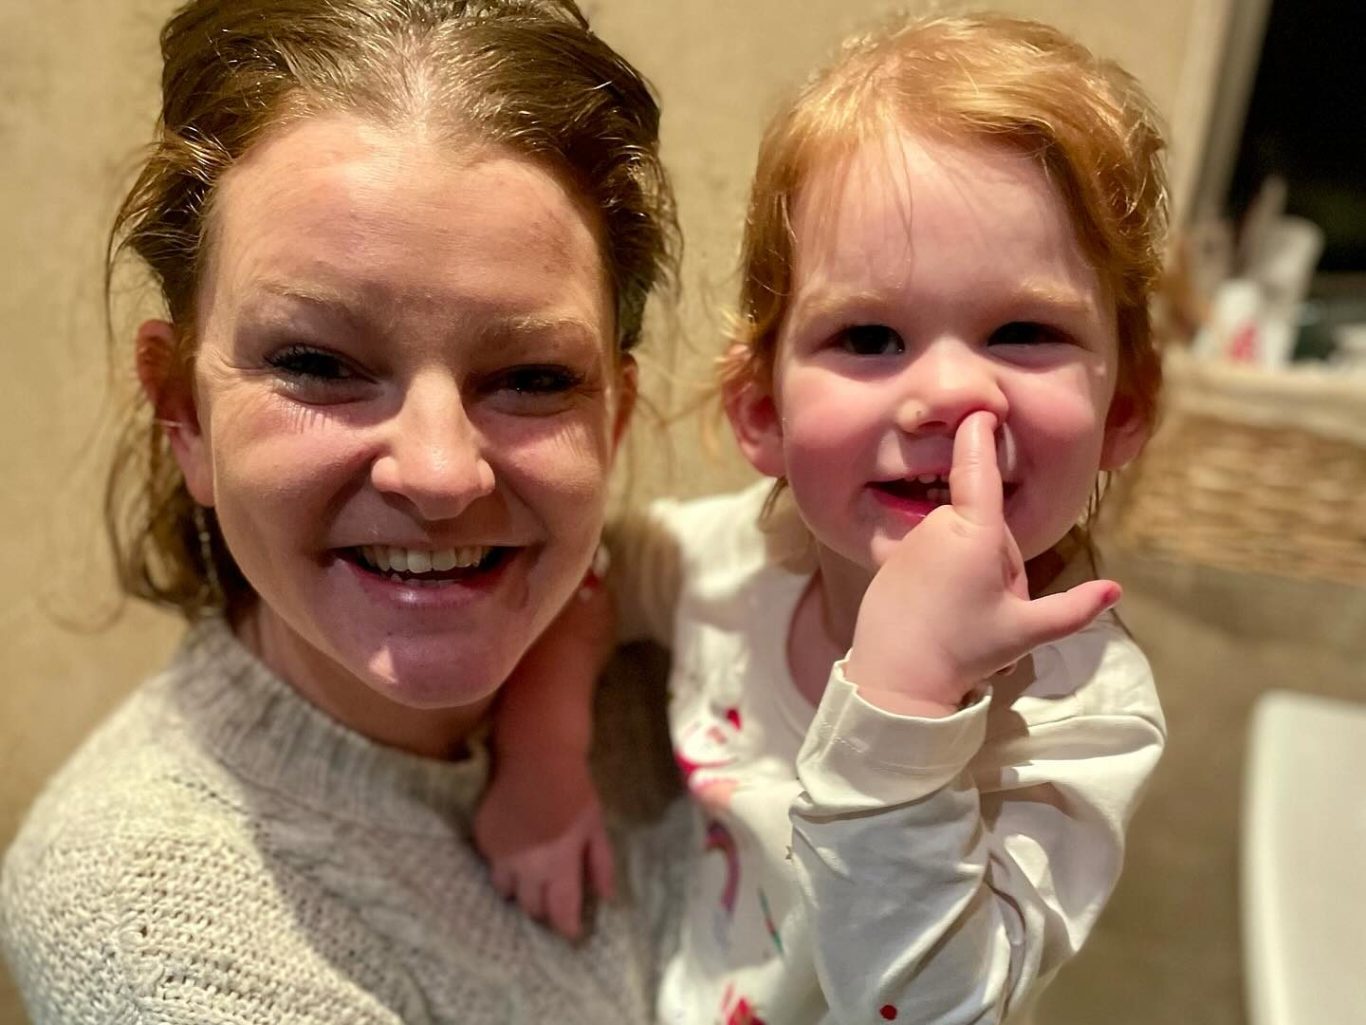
x: 338, y: 206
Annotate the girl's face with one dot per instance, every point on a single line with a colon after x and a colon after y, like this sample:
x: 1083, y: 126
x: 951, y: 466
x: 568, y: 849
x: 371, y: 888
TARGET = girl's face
x: 405, y: 405
x: 933, y: 279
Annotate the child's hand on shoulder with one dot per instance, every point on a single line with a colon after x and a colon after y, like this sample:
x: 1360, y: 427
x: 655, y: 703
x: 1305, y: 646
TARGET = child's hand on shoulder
x: 542, y: 834
x: 951, y: 607
x: 540, y: 823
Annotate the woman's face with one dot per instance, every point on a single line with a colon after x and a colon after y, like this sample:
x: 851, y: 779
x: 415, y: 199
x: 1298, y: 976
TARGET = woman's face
x: 406, y: 400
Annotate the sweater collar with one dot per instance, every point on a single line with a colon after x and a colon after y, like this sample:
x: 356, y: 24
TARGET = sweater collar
x: 268, y: 733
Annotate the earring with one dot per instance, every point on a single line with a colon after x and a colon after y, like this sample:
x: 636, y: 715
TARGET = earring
x: 597, y: 573
x: 212, y: 589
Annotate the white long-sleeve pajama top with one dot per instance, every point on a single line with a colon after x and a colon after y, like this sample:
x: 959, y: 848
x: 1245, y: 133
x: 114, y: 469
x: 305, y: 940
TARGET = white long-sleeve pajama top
x: 857, y: 866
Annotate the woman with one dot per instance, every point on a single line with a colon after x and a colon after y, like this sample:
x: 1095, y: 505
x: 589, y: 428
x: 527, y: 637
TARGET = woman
x: 404, y: 248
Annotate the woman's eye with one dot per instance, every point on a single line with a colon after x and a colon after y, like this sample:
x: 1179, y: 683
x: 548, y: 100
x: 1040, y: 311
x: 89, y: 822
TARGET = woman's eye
x: 871, y: 340
x: 539, y: 380
x: 1023, y: 332
x: 305, y: 364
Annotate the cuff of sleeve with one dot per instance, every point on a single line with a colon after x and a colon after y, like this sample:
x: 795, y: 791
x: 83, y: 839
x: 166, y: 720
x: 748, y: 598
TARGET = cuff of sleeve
x: 858, y: 756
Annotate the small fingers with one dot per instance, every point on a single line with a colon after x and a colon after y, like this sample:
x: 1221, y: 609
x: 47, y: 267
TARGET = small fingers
x: 601, y: 865
x: 531, y: 895
x: 503, y: 878
x: 1055, y: 616
x: 975, y: 477
x: 564, y: 902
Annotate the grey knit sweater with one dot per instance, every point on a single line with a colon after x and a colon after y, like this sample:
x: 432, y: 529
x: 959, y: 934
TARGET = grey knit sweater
x: 222, y: 852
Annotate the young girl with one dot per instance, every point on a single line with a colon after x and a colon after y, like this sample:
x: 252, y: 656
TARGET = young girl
x: 913, y: 748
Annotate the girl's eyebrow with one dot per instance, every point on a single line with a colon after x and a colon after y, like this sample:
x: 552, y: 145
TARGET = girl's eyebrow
x: 827, y: 305
x: 1059, y: 297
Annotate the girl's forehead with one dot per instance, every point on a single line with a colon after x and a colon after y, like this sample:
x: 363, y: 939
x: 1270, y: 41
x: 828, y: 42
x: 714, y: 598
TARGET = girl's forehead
x: 891, y: 171
x: 911, y: 214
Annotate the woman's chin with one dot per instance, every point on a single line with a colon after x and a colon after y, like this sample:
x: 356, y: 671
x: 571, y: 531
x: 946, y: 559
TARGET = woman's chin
x: 433, y: 680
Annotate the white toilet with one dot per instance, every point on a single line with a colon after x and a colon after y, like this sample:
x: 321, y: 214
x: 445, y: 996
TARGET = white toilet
x: 1304, y: 862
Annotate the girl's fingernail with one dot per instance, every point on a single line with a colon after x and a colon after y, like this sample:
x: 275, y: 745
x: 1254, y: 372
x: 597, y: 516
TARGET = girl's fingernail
x: 1005, y: 449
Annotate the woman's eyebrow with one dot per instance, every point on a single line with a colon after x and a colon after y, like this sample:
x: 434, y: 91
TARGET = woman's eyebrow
x: 267, y: 300
x: 539, y: 324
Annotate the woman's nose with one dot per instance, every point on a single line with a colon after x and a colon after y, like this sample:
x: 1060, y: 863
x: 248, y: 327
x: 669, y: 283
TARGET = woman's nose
x: 943, y: 384
x: 433, y: 454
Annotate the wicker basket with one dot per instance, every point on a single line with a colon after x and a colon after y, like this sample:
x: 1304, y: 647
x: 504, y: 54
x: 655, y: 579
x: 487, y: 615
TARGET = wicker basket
x: 1256, y: 471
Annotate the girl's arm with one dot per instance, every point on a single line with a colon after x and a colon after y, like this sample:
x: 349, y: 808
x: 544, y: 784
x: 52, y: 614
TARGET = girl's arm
x: 956, y: 846
x: 951, y: 865
x: 540, y: 823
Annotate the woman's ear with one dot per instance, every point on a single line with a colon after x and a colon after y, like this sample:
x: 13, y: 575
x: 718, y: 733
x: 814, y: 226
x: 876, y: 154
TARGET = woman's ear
x: 1126, y: 432
x: 758, y: 427
x: 628, y: 384
x: 169, y: 387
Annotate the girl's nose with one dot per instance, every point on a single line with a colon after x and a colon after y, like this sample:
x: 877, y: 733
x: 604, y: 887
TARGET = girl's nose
x: 943, y: 384
x: 433, y: 454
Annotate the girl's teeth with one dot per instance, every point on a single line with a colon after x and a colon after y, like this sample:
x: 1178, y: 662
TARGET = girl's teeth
x: 419, y: 562
x: 443, y: 560
x: 928, y: 478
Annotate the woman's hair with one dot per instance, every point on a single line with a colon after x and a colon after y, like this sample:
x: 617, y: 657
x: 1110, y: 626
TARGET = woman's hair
x: 988, y: 79
x: 525, y: 75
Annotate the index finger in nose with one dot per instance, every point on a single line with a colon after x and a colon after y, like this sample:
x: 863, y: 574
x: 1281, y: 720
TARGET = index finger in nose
x: 975, y: 477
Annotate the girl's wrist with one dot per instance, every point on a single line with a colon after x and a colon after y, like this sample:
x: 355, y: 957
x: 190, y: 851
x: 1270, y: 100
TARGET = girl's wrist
x: 900, y: 703
x: 935, y: 690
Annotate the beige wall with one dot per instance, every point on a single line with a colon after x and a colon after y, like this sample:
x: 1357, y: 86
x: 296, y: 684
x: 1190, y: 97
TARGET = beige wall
x: 77, y: 95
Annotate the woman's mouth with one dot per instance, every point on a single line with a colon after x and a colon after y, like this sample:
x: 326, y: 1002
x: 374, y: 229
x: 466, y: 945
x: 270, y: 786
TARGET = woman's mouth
x: 425, y: 567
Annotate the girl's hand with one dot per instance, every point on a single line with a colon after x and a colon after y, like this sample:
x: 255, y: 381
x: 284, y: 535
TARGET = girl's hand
x: 951, y: 605
x: 542, y: 833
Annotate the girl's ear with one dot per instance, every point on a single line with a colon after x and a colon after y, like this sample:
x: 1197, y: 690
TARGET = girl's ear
x: 758, y: 427
x: 170, y: 390
x: 1126, y: 432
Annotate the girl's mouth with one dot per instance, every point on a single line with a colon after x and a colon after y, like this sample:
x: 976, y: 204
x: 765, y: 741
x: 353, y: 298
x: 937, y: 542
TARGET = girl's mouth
x: 928, y: 488
x: 425, y: 567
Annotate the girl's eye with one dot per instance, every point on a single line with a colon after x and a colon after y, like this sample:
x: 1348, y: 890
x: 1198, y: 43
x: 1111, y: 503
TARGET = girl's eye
x: 539, y: 380
x: 871, y: 340
x: 1023, y: 332
x: 306, y: 365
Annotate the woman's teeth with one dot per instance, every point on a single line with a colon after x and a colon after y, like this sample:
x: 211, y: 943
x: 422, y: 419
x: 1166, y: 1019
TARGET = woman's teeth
x: 388, y: 559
